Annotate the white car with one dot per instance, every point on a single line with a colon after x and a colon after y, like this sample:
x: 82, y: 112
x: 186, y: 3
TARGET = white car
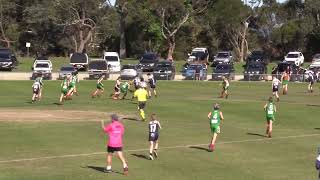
x: 113, y: 61
x: 129, y: 72
x: 42, y: 68
x: 201, y: 54
x: 296, y: 57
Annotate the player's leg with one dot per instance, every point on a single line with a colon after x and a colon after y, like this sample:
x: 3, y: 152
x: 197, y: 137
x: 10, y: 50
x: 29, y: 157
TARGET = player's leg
x: 226, y: 93
x: 33, y: 97
x: 124, y: 95
x: 270, y: 129
x: 124, y: 163
x: 155, y: 150
x: 40, y: 94
x: 213, y: 141
x: 267, y: 127
x: 61, y: 98
x: 141, y: 110
x: 154, y: 91
x: 109, y: 162
x: 151, y: 150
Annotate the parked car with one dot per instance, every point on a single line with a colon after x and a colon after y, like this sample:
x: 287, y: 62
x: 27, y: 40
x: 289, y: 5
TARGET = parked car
x: 296, y: 57
x: 113, y: 61
x: 80, y: 61
x: 130, y: 71
x: 148, y: 61
x: 98, y: 67
x: 66, y: 71
x: 255, y: 71
x: 194, y: 71
x: 223, y: 70
x: 222, y: 57
x: 296, y: 71
x: 257, y: 56
x: 42, y: 67
x: 316, y: 58
x: 164, y: 70
x: 198, y: 54
x: 8, y: 60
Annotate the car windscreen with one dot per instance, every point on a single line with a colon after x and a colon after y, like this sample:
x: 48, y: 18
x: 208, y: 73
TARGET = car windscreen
x: 254, y: 66
x: 147, y: 58
x: 78, y: 58
x: 127, y: 67
x: 223, y: 67
x: 67, y: 69
x: 111, y: 58
x: 42, y: 65
x: 4, y: 56
x: 99, y: 65
x: 162, y: 66
x: 222, y: 55
x: 292, y: 56
x: 194, y: 67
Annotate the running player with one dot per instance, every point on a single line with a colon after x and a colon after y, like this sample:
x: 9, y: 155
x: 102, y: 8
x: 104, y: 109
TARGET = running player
x: 225, y: 87
x: 275, y: 87
x: 40, y: 81
x: 124, y: 88
x: 115, y: 131
x: 142, y: 95
x: 36, y: 90
x: 116, y: 92
x: 72, y: 85
x: 285, y: 81
x: 142, y: 83
x: 100, y: 87
x: 215, y: 118
x: 311, y: 81
x: 64, y: 89
x: 270, y: 110
x: 154, y: 128
x: 136, y: 82
x: 152, y: 85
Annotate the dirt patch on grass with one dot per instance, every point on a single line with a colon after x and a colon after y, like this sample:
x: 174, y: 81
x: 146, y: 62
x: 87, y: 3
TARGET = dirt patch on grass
x: 23, y: 115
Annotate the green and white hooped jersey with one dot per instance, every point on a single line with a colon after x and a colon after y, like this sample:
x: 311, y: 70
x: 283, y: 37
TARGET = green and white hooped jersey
x: 64, y: 84
x: 74, y: 79
x: 270, y: 109
x: 39, y: 80
x: 215, y: 118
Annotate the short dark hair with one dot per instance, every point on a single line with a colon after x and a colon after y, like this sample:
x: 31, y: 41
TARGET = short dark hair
x: 114, y: 117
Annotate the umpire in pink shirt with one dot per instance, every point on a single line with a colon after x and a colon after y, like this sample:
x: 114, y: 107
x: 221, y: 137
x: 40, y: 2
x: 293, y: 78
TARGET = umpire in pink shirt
x: 115, y: 131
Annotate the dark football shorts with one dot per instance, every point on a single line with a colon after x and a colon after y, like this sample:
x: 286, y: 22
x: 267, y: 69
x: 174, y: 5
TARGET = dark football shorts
x: 152, y: 86
x: 142, y: 105
x: 153, y: 136
x: 36, y: 91
x: 275, y: 89
x: 113, y: 149
x: 116, y: 89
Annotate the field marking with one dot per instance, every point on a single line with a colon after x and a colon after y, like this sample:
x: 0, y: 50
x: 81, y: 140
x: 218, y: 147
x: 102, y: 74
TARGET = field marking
x: 146, y: 149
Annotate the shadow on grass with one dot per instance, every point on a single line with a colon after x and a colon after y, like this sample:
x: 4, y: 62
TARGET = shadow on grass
x: 142, y: 156
x: 131, y: 119
x: 317, y: 128
x: 101, y: 169
x: 199, y: 148
x: 58, y: 104
x: 256, y: 134
x: 313, y: 105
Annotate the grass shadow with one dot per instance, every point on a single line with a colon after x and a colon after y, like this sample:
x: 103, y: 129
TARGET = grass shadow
x: 101, y: 169
x: 142, y: 156
x: 131, y: 119
x: 313, y: 105
x: 256, y: 134
x: 317, y: 128
x: 58, y: 104
x: 199, y: 148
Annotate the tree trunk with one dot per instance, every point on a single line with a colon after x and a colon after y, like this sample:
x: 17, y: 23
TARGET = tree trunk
x: 172, y: 45
x: 123, y: 50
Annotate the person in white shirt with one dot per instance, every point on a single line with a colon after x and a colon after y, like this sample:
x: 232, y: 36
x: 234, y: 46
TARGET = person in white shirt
x: 275, y: 87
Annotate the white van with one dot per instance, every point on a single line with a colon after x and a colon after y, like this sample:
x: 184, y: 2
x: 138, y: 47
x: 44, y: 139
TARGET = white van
x: 113, y: 61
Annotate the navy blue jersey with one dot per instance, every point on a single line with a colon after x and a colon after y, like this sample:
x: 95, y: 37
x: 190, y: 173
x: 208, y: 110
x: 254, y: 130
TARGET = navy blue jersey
x: 152, y: 82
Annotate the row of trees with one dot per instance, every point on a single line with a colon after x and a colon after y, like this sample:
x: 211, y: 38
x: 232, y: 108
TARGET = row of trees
x: 169, y: 27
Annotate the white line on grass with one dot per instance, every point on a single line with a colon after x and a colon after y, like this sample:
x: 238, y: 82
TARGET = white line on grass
x: 168, y: 147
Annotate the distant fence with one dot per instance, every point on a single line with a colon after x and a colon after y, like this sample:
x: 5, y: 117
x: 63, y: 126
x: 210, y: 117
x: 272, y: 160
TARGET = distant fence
x: 168, y: 76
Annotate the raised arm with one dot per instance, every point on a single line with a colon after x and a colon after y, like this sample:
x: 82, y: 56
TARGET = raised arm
x: 221, y: 115
x: 102, y: 124
x: 209, y: 115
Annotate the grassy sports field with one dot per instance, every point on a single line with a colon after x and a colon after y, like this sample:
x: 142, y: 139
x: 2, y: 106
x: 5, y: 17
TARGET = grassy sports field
x: 47, y: 141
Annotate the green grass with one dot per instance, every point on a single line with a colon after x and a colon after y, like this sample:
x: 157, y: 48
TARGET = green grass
x: 26, y: 63
x: 182, y: 108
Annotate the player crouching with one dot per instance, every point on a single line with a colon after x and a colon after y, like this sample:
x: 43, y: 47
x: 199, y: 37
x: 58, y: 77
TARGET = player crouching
x: 36, y: 91
x: 215, y: 118
x: 154, y: 128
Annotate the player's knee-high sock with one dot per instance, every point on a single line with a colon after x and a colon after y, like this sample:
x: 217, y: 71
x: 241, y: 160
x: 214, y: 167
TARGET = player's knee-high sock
x: 143, y: 116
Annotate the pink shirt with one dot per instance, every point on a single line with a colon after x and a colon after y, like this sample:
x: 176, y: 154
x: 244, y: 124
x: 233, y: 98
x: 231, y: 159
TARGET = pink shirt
x: 115, y: 130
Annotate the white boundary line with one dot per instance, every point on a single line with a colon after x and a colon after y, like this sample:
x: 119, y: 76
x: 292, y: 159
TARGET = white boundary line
x: 168, y: 147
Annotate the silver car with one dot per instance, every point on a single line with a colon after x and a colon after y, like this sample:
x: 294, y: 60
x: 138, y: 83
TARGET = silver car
x: 316, y: 58
x: 130, y: 71
x: 66, y: 71
x: 223, y: 57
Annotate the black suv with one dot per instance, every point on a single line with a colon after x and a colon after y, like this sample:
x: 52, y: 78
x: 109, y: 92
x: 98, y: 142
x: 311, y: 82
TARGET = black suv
x: 255, y: 71
x: 97, y: 68
x: 148, y: 61
x: 223, y: 70
x: 8, y: 60
x: 296, y: 71
x: 164, y: 70
x: 257, y: 56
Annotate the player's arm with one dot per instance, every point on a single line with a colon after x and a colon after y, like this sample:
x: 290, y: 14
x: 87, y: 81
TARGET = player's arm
x: 102, y: 124
x: 275, y: 108
x: 159, y: 125
x: 265, y: 106
x: 221, y: 116
x: 209, y: 115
